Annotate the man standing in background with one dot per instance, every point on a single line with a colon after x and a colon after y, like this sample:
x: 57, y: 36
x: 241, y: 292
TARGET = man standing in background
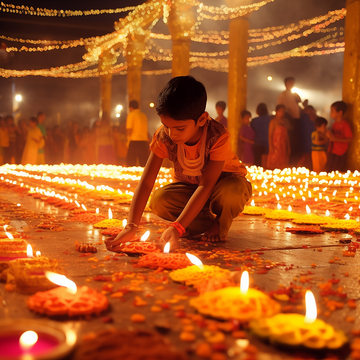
x: 137, y: 136
x: 41, y: 126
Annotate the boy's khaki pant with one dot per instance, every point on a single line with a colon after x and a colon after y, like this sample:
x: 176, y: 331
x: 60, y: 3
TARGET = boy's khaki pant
x: 226, y: 202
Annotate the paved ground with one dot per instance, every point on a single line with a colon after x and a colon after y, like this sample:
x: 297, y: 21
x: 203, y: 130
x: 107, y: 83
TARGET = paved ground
x: 266, y: 238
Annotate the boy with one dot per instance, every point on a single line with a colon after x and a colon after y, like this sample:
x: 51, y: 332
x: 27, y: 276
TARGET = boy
x: 210, y: 188
x: 246, y: 136
x: 220, y: 108
x: 340, y: 136
x: 319, y: 145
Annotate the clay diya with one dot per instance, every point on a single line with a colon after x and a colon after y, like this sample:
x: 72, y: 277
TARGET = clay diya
x: 67, y: 300
x: 298, y: 330
x: 243, y: 304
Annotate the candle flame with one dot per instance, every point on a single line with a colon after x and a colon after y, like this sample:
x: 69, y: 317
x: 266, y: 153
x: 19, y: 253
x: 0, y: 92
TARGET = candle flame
x: 279, y: 206
x: 77, y: 204
x: 9, y: 235
x: 308, y: 210
x: 347, y: 217
x: 196, y: 261
x: 5, y: 226
x: 97, y: 210
x: 167, y: 248
x: 327, y: 213
x: 38, y: 253
x: 62, y: 280
x: 28, y: 339
x: 29, y: 251
x: 124, y: 222
x: 110, y: 214
x: 145, y: 236
x: 84, y: 207
x: 289, y: 208
x: 311, y: 310
x: 277, y: 197
x: 252, y: 202
x: 244, y: 283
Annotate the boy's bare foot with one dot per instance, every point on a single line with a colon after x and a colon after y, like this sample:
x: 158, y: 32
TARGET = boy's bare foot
x: 212, y: 234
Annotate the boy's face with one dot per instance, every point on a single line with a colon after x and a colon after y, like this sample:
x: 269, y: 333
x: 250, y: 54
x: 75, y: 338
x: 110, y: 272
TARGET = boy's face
x: 321, y: 128
x: 219, y: 110
x: 184, y: 131
x: 246, y: 120
x: 336, y: 115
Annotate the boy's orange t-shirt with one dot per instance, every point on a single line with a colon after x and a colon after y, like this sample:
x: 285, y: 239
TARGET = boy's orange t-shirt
x: 341, y: 130
x: 220, y: 151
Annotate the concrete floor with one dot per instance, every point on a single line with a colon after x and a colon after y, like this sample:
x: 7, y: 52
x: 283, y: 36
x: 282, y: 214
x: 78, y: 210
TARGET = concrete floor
x: 267, y: 238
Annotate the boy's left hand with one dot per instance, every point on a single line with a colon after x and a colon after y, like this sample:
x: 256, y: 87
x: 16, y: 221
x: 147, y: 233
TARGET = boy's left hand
x: 169, y: 235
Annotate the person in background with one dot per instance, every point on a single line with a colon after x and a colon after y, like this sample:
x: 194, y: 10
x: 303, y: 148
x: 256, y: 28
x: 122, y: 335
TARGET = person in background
x: 41, y: 151
x: 220, y: 108
x: 247, y: 136
x: 21, y: 135
x: 34, y: 142
x: 5, y: 142
x: 120, y: 140
x: 340, y: 137
x: 58, y: 145
x: 12, y: 137
x: 105, y: 142
x: 279, y: 145
x: 292, y: 112
x: 306, y: 128
x: 87, y: 146
x: 137, y: 135
x: 319, y: 144
x: 260, y: 125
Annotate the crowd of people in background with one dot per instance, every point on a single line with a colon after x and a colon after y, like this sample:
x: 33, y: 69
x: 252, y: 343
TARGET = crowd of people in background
x: 292, y: 136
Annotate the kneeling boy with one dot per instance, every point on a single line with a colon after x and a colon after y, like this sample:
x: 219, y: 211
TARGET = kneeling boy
x: 210, y: 187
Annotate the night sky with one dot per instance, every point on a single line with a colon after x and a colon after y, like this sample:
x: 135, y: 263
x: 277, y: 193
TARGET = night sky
x: 319, y: 78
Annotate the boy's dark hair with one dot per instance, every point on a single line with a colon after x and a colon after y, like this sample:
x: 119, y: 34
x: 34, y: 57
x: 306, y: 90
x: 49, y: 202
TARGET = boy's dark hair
x: 34, y: 119
x: 182, y: 98
x: 289, y: 78
x: 340, y: 106
x: 319, y: 121
x: 244, y: 113
x: 133, y: 104
x: 40, y: 113
x: 280, y: 106
x: 262, y: 109
x: 221, y: 104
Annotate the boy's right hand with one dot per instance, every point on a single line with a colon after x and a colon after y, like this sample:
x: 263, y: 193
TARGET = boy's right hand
x: 126, y: 235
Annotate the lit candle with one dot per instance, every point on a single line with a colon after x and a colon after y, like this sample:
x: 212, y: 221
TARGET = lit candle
x: 233, y: 303
x: 145, y: 236
x: 110, y: 214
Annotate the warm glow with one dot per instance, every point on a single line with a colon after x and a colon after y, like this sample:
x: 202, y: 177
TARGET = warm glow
x: 84, y: 207
x: 97, y: 210
x: 29, y: 251
x: 194, y: 260
x: 167, y: 248
x: 38, y: 253
x: 9, y: 235
x: 347, y: 217
x: 269, y: 78
x: 278, y: 206
x: 77, y: 204
x: 244, y: 283
x: 61, y: 280
x: 252, y: 202
x: 327, y: 213
x: 124, y: 222
x: 118, y: 108
x: 311, y: 310
x: 151, y: 104
x: 308, y: 210
x: 28, y: 339
x: 289, y: 208
x: 110, y: 214
x: 18, y: 97
x: 145, y: 236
